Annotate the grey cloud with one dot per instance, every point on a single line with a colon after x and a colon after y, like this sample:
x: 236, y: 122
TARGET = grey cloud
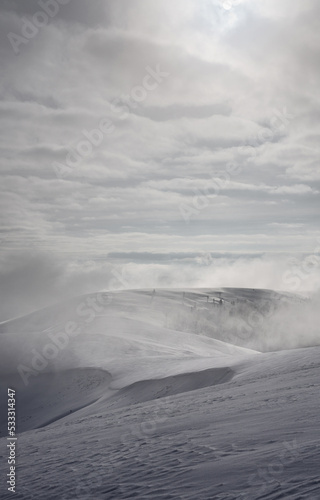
x: 74, y: 11
x: 174, y: 112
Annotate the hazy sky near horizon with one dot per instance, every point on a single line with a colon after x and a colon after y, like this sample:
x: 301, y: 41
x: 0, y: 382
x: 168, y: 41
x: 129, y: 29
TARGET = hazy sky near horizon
x: 159, y: 127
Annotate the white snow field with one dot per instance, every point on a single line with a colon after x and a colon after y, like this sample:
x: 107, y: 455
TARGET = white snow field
x: 164, y: 394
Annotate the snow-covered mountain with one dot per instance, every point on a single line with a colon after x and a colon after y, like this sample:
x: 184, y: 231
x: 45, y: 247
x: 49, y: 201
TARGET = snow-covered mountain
x: 165, y: 394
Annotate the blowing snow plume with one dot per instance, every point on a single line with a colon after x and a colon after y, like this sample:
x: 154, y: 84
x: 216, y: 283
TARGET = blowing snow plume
x: 262, y: 320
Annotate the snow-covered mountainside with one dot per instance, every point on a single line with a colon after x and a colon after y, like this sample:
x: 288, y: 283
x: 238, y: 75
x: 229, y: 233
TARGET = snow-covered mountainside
x: 165, y: 394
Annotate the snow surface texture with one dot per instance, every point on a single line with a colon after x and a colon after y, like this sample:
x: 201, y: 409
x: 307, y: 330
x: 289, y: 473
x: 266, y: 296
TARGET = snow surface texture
x: 165, y: 394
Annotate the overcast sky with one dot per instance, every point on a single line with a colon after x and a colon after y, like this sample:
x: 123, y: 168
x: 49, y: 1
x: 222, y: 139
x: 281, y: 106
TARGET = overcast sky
x: 178, y: 128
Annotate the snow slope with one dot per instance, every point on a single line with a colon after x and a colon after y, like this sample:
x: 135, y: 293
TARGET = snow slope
x: 115, y: 403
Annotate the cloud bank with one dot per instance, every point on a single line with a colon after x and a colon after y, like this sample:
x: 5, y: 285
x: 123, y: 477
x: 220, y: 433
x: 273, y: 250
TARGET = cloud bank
x: 158, y: 127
